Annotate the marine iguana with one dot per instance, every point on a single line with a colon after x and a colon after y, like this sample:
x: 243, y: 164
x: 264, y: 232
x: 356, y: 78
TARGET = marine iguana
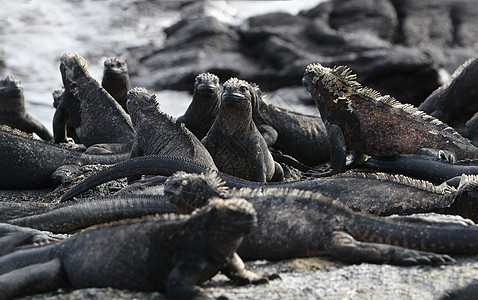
x: 204, y: 107
x: 12, y: 109
x: 172, y: 254
x: 378, y: 194
x: 158, y: 133
x: 455, y: 102
x: 95, y: 115
x: 116, y: 80
x: 294, y: 223
x: 376, y: 125
x: 234, y: 141
x: 301, y: 136
x: 29, y: 163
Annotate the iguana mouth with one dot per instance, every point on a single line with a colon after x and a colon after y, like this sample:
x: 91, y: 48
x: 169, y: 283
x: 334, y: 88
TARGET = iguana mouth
x: 307, y: 81
x: 245, y: 226
x: 206, y: 88
x: 236, y: 97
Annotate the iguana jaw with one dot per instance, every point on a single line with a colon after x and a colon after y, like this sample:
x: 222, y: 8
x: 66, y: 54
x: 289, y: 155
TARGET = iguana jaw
x: 206, y: 88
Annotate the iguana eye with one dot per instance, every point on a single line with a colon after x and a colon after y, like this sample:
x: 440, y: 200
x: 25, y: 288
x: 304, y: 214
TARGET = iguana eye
x: 243, y: 89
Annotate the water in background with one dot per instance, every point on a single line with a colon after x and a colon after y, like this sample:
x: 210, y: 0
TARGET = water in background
x: 34, y: 34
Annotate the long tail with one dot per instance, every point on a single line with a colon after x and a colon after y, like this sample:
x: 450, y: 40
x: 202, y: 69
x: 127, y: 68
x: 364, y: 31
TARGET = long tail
x: 446, y: 238
x: 81, y: 214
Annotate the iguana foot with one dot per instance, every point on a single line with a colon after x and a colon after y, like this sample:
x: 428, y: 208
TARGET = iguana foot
x: 438, y: 154
x: 238, y: 274
x: 414, y: 257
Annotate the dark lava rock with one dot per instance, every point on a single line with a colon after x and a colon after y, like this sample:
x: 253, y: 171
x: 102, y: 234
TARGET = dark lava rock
x: 399, y: 47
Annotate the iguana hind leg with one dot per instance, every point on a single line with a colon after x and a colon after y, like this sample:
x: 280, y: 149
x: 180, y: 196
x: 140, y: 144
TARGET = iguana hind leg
x: 31, y: 279
x: 344, y: 247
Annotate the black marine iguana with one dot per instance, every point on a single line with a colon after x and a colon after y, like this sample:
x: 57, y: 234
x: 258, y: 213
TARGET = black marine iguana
x: 29, y: 163
x: 455, y: 102
x: 116, y: 80
x: 157, y: 133
x: 301, y: 136
x: 234, y: 141
x: 372, y: 124
x: 12, y: 109
x: 378, y: 193
x: 294, y: 223
x: 204, y: 107
x: 150, y: 254
x: 96, y: 117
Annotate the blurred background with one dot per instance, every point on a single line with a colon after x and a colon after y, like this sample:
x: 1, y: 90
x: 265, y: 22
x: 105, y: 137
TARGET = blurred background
x: 406, y: 48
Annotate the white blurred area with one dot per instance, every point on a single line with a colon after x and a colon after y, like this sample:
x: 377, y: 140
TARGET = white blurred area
x: 34, y: 34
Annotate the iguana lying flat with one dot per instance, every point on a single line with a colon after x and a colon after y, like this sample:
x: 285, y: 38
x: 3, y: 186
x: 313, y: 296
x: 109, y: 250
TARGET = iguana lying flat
x: 301, y: 136
x: 116, y: 80
x: 293, y: 223
x: 31, y: 162
x: 96, y: 117
x: 235, y: 143
x: 204, y: 107
x: 455, y: 102
x: 172, y: 254
x: 12, y: 109
x: 376, y: 125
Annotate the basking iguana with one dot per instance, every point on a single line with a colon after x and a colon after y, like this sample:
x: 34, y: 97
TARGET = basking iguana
x: 116, y: 80
x: 158, y: 133
x: 12, y: 109
x: 234, y: 141
x: 204, y: 107
x: 369, y: 123
x: 96, y: 117
x: 29, y: 163
x: 301, y: 136
x: 294, y: 223
x: 378, y: 194
x: 455, y: 102
x: 172, y: 254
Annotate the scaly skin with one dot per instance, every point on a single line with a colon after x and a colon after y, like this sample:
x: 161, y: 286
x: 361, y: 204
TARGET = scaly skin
x: 293, y: 223
x: 301, y: 136
x: 172, y: 254
x: 378, y: 194
x: 92, y: 211
x: 423, y: 167
x: 12, y: 109
x: 158, y: 133
x: 204, y: 107
x: 31, y: 162
x: 377, y: 125
x: 234, y: 141
x: 455, y: 102
x: 96, y: 117
x: 116, y: 80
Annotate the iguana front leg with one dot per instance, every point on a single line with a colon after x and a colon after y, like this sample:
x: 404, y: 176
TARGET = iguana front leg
x: 343, y: 246
x: 237, y: 272
x: 60, y: 119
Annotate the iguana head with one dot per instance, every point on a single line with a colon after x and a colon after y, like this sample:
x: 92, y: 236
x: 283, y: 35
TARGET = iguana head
x: 329, y: 84
x: 11, y: 94
x: 115, y: 67
x: 237, y: 215
x: 73, y: 66
x: 189, y: 191
x: 207, y: 84
x: 141, y: 103
x: 236, y: 107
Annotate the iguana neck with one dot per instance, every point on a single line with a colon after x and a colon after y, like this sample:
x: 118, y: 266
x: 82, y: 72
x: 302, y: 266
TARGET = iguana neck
x: 232, y: 120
